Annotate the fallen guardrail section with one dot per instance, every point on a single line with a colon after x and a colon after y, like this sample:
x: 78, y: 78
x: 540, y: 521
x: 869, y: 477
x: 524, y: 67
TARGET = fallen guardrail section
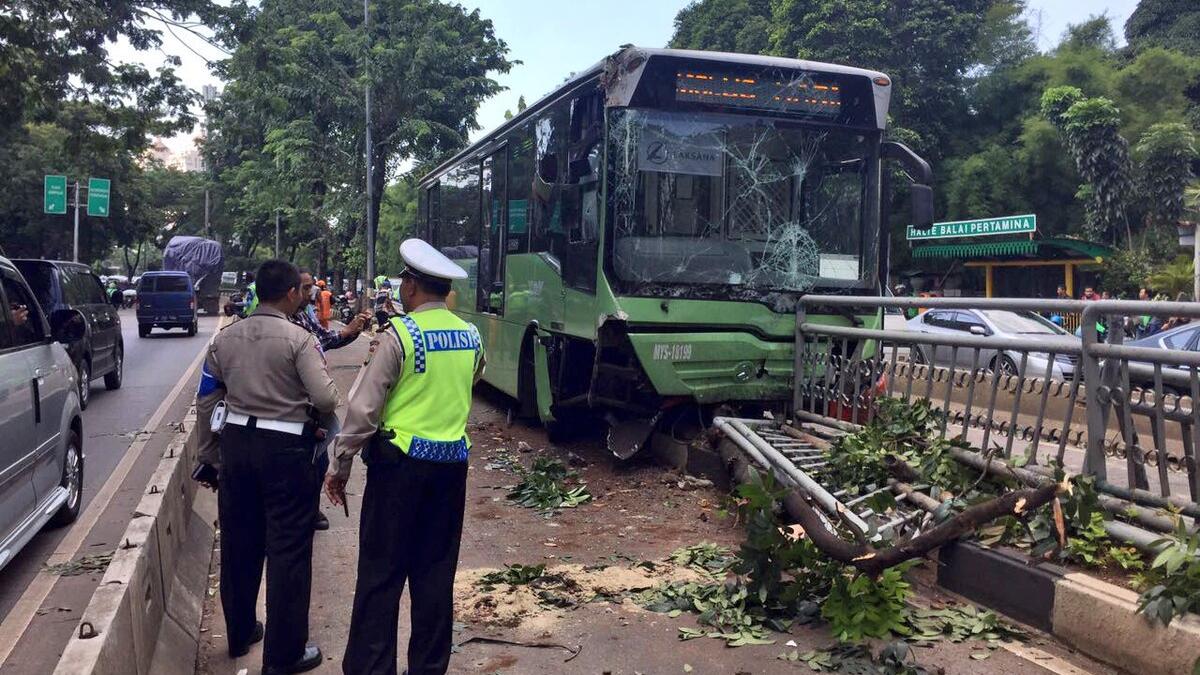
x: 145, y: 615
x: 1044, y: 417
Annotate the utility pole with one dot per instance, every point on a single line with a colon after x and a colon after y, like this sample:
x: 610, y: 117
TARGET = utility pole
x: 1196, y: 263
x: 278, y: 236
x: 207, y: 229
x: 75, y: 256
x: 370, y: 186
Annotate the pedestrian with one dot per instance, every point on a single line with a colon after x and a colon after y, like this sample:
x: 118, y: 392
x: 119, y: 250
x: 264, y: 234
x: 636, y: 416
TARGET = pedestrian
x: 262, y: 385
x: 408, y: 415
x: 306, y: 318
x: 324, y: 303
x: 1089, y: 293
x: 384, y: 305
x: 1060, y: 293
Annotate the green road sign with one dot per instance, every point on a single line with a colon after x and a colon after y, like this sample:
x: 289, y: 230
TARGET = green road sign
x: 54, y: 194
x: 985, y: 227
x: 98, y: 197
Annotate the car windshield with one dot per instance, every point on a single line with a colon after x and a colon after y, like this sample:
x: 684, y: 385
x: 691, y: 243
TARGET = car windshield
x: 1022, y: 323
x: 164, y: 284
x: 705, y: 198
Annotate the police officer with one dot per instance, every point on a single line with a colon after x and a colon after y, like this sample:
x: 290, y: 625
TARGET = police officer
x: 409, y: 408
x: 266, y: 377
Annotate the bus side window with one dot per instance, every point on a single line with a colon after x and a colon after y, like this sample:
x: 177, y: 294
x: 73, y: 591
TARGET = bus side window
x: 550, y: 133
x: 520, y: 188
x: 457, y: 234
x: 433, y: 204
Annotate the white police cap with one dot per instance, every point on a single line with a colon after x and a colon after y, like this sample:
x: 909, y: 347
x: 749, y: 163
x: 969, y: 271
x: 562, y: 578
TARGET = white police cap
x: 426, y: 260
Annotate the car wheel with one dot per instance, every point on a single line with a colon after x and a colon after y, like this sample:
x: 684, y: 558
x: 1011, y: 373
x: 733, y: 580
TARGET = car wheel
x: 113, y: 379
x: 143, y: 330
x: 1003, y: 365
x: 85, y: 383
x: 192, y: 329
x: 72, y: 481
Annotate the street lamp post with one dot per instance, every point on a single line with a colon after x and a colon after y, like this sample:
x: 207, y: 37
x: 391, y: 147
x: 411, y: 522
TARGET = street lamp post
x: 370, y: 185
x: 278, y: 236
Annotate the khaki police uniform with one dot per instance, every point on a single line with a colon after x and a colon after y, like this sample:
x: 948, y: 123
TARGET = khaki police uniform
x: 412, y: 511
x: 269, y: 372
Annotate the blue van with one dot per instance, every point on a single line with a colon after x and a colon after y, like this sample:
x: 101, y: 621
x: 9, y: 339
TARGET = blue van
x: 166, y: 300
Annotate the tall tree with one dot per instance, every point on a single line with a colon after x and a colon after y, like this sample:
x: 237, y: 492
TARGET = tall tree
x: 724, y: 25
x: 1174, y: 24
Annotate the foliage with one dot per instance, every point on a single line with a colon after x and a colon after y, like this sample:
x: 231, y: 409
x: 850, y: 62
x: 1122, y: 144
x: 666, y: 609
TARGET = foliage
x: 1174, y: 24
x: 958, y: 623
x: 859, y: 607
x: 544, y: 486
x: 706, y: 558
x: 1173, y: 577
x: 513, y: 575
x: 902, y: 430
x: 1092, y: 128
x: 1165, y: 155
x: 1125, y: 271
x: 894, y: 659
x: 1174, y: 277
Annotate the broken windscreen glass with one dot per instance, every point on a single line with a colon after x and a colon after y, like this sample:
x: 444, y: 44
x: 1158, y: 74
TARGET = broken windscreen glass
x: 756, y: 203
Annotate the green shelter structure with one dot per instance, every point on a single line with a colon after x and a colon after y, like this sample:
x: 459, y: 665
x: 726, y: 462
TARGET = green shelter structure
x: 1024, y: 268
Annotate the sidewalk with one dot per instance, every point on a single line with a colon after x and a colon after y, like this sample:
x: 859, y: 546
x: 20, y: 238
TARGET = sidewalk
x: 638, y: 513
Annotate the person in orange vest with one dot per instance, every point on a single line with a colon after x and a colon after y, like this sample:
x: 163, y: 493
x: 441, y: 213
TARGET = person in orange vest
x: 324, y: 304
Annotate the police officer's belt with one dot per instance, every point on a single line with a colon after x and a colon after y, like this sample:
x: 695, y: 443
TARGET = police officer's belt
x: 294, y: 428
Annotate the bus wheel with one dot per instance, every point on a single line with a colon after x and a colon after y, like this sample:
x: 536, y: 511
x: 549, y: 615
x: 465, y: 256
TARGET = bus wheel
x: 527, y: 408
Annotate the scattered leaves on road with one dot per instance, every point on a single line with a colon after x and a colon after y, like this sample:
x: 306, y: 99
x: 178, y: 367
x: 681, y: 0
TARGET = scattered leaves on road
x: 96, y: 562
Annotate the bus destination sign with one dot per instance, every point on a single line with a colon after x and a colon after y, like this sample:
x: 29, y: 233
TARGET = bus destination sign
x: 796, y: 93
x: 984, y: 227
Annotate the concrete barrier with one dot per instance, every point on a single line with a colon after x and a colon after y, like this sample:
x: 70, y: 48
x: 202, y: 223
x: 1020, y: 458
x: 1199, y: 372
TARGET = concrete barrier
x: 145, y: 587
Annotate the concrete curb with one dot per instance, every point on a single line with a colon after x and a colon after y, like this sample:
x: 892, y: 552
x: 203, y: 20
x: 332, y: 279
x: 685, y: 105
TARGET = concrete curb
x: 1097, y: 618
x: 120, y: 628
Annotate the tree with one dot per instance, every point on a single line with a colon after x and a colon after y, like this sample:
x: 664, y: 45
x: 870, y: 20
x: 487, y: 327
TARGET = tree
x: 724, y: 25
x: 1173, y: 24
x: 1165, y: 155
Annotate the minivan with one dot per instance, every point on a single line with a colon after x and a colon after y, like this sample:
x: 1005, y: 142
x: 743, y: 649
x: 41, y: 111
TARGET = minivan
x: 62, y: 285
x: 41, y: 458
x: 166, y: 300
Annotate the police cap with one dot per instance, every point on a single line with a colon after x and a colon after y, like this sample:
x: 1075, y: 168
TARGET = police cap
x: 424, y: 260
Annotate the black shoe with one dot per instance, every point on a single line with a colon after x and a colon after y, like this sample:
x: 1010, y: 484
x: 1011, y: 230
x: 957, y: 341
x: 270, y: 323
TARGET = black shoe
x: 311, y: 659
x: 320, y: 523
x: 256, y: 636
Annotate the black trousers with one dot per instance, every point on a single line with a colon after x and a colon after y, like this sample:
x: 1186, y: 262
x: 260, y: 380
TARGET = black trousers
x: 266, y: 510
x: 411, y: 525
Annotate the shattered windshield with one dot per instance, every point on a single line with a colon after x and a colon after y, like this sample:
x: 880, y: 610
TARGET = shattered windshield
x: 752, y: 202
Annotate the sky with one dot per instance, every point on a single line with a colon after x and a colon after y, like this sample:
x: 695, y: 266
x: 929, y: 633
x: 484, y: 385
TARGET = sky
x: 553, y: 38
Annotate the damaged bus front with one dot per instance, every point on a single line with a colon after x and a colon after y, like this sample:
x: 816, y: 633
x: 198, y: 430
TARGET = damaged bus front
x: 678, y: 205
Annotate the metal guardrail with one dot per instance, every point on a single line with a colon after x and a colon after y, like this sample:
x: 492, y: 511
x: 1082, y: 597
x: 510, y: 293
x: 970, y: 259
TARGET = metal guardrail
x: 1092, y: 405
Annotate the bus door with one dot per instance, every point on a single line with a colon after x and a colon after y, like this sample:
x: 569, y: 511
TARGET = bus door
x: 494, y: 219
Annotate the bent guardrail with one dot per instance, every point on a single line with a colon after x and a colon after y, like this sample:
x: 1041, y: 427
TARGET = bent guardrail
x: 1090, y: 404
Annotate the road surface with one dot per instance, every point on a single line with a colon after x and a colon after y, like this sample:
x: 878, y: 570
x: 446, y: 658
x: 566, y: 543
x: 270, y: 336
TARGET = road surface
x: 39, y: 611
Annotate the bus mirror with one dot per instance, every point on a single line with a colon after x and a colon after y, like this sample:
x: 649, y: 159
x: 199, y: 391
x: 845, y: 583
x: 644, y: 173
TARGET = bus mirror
x: 922, y: 205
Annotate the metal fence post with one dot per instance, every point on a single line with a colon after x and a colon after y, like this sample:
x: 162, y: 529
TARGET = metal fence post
x: 1096, y: 397
x: 798, y: 359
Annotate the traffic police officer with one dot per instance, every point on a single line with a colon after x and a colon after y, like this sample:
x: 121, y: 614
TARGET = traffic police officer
x: 409, y: 409
x: 266, y: 377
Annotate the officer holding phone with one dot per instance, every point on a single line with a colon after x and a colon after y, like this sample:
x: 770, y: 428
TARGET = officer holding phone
x: 409, y: 410
x: 267, y: 381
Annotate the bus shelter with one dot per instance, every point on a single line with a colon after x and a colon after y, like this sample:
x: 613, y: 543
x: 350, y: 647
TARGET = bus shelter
x: 1027, y: 268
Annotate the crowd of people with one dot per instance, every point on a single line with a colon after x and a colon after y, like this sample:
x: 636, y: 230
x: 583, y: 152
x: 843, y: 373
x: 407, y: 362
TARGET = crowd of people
x: 272, y: 440
x: 1136, y: 327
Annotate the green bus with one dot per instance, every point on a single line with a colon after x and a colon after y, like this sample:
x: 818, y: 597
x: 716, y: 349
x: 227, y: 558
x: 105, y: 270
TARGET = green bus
x: 637, y: 239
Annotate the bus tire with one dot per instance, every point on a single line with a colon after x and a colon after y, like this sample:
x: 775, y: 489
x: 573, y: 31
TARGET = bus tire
x: 527, y: 408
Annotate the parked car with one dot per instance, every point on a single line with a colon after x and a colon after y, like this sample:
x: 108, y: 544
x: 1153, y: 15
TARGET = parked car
x: 1176, y: 379
x: 41, y: 457
x: 66, y: 285
x: 1025, y: 326
x: 166, y: 300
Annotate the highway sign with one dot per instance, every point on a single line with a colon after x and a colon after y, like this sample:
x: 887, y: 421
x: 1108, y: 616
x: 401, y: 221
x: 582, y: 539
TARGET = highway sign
x: 984, y: 227
x: 97, y: 199
x: 54, y: 194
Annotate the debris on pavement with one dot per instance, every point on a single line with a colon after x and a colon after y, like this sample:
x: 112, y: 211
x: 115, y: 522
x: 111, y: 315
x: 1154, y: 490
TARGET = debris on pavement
x: 95, y: 562
x: 548, y: 486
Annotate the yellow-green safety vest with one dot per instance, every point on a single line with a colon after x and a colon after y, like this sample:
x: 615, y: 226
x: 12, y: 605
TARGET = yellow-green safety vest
x: 426, y: 410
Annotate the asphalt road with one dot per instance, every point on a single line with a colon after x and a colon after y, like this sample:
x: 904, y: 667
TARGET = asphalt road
x: 111, y: 424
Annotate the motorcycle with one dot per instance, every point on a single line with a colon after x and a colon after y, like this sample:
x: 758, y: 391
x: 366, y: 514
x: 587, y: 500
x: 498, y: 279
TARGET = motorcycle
x: 343, y: 309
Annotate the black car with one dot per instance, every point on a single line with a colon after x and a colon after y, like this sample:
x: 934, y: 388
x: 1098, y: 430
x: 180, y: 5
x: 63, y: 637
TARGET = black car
x: 66, y: 285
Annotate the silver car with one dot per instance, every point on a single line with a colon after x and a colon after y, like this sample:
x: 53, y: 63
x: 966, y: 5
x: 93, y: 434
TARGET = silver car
x: 1024, y: 326
x: 41, y: 455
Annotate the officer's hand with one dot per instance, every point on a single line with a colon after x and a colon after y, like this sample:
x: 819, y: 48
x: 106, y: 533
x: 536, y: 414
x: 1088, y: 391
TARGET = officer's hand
x: 335, y: 489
